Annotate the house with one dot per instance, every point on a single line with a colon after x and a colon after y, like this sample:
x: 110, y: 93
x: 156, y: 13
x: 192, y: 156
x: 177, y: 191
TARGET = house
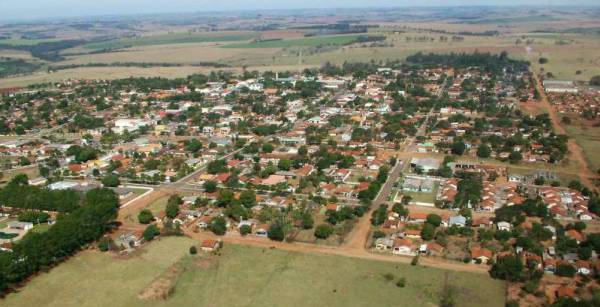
x: 483, y: 255
x: 384, y: 244
x: 417, y: 217
x: 459, y: 221
x: 210, y: 245
x: 273, y: 180
x: 426, y: 164
x: 583, y: 267
x: 575, y: 235
x: 20, y: 225
x: 504, y: 226
x: 403, y: 247
x: 434, y: 249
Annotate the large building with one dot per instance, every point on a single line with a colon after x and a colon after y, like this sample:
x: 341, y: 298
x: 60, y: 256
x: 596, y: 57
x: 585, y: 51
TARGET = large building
x: 560, y: 86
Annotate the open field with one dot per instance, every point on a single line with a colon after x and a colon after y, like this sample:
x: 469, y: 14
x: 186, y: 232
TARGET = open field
x: 589, y: 140
x: 302, y: 42
x: 248, y: 276
x: 103, y: 73
x: 167, y: 39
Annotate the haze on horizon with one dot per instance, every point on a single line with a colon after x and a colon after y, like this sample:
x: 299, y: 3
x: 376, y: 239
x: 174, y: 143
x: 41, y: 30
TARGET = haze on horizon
x: 13, y: 10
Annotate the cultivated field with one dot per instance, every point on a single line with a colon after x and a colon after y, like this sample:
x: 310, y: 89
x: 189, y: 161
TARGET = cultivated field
x: 167, y: 39
x: 247, y: 276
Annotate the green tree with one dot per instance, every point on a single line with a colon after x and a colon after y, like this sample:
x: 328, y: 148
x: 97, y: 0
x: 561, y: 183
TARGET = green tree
x: 508, y: 268
x: 323, y: 231
x: 150, y: 232
x: 484, y: 151
x: 428, y: 232
x: 276, y: 231
x: 248, y: 198
x: 218, y: 226
x: 434, y: 219
x: 210, y: 186
x: 111, y: 181
x: 245, y: 229
x: 145, y: 216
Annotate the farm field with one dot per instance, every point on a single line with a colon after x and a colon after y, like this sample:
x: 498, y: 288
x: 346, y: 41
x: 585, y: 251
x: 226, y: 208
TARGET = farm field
x: 166, y: 39
x: 26, y: 42
x: 302, y: 42
x: 247, y: 276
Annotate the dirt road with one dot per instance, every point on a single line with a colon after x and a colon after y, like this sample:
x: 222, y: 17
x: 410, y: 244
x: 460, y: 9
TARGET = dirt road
x: 345, y: 250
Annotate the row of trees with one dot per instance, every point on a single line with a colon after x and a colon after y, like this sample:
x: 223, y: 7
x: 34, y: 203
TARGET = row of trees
x: 40, y: 251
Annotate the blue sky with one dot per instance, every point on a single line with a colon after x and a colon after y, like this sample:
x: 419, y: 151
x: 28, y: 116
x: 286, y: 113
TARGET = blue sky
x: 32, y: 9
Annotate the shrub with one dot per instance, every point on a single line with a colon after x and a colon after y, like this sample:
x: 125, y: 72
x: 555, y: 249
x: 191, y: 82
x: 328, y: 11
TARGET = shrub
x: 323, y: 231
x: 151, y: 232
x: 401, y: 283
x: 145, y: 216
x: 245, y: 229
x: 193, y: 250
x: 34, y: 217
x: 388, y: 276
x: 104, y: 244
x: 415, y: 260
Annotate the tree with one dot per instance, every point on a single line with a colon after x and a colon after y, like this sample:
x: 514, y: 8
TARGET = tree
x: 458, y: 148
x: 565, y: 270
x: 307, y: 220
x: 172, y: 210
x: 268, y: 148
x: 245, y: 229
x: 595, y: 80
x: 111, y: 181
x: 515, y: 157
x: 248, y: 198
x: 323, y: 231
x: 209, y: 186
x: 150, y: 232
x: 218, y: 226
x: 428, y: 232
x: 20, y: 179
x: 434, y: 219
x: 508, y: 268
x: 145, y: 216
x: 193, y: 250
x: 542, y: 60
x: 276, y: 232
x: 484, y: 151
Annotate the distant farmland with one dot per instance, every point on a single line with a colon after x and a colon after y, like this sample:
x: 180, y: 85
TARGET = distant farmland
x: 26, y: 42
x: 302, y: 42
x: 167, y: 39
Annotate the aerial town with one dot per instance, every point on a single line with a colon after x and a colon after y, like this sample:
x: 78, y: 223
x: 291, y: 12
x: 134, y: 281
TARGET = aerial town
x: 442, y: 163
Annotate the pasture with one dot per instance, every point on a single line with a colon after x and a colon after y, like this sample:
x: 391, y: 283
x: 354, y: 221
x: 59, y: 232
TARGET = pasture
x: 247, y: 276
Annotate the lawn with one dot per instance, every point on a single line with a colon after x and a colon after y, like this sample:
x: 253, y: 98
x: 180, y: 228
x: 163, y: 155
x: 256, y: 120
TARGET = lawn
x: 249, y: 276
x: 167, y: 39
x: 302, y: 42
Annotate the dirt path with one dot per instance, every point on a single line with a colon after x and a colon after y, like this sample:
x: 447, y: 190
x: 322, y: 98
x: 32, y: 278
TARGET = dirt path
x: 576, y: 153
x: 346, y: 251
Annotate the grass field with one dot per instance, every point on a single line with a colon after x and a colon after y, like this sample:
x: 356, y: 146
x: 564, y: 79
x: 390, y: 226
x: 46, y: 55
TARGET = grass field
x: 302, y: 42
x: 248, y: 276
x: 167, y: 39
x: 589, y: 140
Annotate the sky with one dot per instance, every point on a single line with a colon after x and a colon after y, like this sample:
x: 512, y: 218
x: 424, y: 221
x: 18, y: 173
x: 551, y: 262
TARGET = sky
x: 35, y: 9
